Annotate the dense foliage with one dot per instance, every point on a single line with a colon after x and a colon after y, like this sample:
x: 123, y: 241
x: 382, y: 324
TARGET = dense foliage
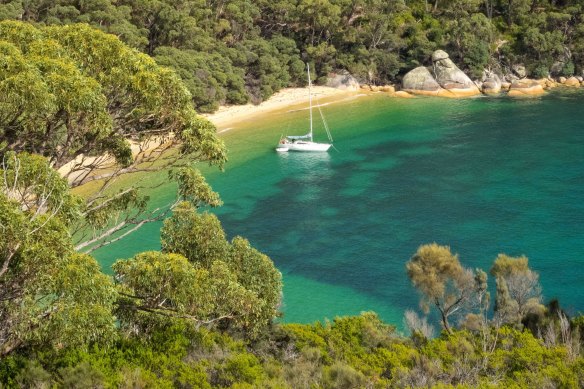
x: 200, y: 312
x: 231, y: 51
x: 53, y: 297
x: 349, y: 352
x: 200, y: 277
x: 79, y: 100
x: 70, y: 91
x: 49, y: 293
x: 97, y: 109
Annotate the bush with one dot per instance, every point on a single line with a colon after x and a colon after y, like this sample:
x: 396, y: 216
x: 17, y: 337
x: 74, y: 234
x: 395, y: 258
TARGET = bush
x: 342, y: 376
x: 541, y: 71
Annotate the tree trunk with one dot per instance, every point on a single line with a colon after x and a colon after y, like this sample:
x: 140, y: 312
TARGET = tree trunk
x: 445, y: 322
x: 443, y: 316
x: 509, y: 8
x: 489, y: 8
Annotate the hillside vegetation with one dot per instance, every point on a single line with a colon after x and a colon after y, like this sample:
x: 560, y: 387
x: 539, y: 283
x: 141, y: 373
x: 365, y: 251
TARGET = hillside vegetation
x: 234, y: 51
x: 202, y: 312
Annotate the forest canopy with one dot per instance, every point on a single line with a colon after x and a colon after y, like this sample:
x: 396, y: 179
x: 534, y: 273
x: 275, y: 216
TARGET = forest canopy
x: 97, y: 110
x: 234, y: 51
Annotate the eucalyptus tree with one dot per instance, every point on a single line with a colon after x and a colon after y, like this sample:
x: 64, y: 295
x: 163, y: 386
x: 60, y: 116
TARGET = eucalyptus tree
x: 376, y: 29
x: 471, y: 39
x: 211, y: 78
x: 197, y: 236
x: 98, y: 110
x: 201, y: 239
x: 514, y: 9
x: 199, y: 278
x: 157, y: 288
x: 49, y: 294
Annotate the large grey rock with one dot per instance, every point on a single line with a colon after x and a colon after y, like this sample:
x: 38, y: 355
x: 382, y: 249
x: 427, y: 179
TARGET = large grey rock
x: 519, y: 70
x: 447, y: 79
x: 447, y: 74
x: 420, y: 79
x: 439, y: 55
x: 564, y: 58
x: 342, y: 80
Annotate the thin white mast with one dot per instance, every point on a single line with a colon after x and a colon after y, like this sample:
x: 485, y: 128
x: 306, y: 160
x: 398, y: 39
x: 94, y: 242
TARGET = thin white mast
x: 309, y: 98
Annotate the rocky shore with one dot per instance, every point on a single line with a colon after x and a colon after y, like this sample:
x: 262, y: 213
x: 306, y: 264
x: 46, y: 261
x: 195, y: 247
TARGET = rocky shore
x: 444, y: 79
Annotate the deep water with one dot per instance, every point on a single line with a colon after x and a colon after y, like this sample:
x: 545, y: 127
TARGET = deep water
x: 484, y: 176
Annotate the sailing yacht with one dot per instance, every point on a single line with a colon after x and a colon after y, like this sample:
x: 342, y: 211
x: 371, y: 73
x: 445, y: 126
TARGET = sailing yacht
x: 305, y: 142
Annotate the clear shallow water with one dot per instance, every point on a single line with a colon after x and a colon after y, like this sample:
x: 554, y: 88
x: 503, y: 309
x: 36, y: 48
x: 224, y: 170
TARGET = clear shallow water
x: 484, y: 176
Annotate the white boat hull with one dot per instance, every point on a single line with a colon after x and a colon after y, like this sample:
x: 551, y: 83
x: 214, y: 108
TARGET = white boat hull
x: 307, y: 146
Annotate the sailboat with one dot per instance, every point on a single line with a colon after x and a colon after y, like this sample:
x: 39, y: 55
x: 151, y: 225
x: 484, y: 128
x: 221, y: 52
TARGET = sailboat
x: 306, y: 142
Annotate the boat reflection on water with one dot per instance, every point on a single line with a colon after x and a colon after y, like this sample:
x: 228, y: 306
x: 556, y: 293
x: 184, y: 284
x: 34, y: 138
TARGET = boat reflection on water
x: 309, y: 161
x: 307, y: 169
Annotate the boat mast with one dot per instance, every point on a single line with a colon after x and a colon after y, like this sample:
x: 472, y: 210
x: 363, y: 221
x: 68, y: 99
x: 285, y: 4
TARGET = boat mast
x: 309, y: 98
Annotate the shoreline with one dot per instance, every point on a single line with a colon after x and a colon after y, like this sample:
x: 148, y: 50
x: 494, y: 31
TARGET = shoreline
x: 226, y: 118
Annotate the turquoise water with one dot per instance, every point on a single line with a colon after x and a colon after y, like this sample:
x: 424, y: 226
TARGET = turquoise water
x: 484, y: 176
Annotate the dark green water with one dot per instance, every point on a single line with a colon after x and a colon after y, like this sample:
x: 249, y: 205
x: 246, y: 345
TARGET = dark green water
x: 485, y: 176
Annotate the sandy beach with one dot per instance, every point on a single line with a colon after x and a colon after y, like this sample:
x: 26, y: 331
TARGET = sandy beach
x: 226, y: 117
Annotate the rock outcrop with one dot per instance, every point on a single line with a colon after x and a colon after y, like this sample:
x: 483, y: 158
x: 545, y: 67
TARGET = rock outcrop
x: 446, y: 79
x: 447, y: 74
x: 380, y: 88
x: 547, y: 83
x: 342, y: 80
x: 491, y: 83
x: 420, y: 79
x: 572, y: 81
x: 525, y: 88
x: 387, y: 88
x: 557, y: 68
